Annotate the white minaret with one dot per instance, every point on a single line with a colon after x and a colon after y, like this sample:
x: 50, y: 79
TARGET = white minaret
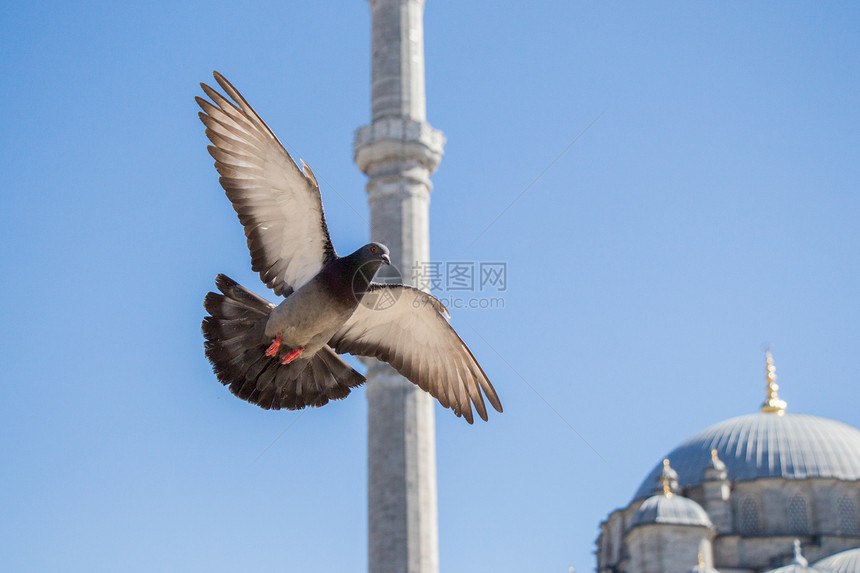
x: 398, y: 151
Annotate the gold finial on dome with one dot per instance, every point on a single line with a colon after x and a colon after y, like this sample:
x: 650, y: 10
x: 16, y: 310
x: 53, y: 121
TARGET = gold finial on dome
x: 667, y: 479
x: 773, y: 403
x: 667, y: 489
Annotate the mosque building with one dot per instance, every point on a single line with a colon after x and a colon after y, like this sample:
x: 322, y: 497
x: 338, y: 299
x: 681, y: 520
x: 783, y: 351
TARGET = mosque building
x: 766, y: 492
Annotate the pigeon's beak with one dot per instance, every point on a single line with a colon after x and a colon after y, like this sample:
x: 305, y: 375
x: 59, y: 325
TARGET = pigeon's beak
x: 386, y: 260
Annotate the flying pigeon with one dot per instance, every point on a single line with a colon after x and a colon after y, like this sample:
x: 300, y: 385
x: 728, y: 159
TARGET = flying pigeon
x: 286, y: 356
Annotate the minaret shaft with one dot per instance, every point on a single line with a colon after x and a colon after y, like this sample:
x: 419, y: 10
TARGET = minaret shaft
x: 398, y: 152
x: 397, y: 87
x: 402, y: 514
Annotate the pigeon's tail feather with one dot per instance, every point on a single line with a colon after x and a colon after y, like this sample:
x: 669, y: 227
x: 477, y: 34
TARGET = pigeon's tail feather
x: 304, y: 382
x: 236, y: 346
x: 233, y: 330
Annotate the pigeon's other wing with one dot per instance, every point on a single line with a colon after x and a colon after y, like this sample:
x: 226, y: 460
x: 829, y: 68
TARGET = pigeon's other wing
x: 408, y: 329
x: 278, y: 203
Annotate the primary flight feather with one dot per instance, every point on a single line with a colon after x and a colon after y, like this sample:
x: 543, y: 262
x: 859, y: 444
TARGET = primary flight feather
x: 286, y: 356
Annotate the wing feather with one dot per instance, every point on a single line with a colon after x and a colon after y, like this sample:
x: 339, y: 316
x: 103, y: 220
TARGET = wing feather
x: 278, y: 202
x: 414, y: 336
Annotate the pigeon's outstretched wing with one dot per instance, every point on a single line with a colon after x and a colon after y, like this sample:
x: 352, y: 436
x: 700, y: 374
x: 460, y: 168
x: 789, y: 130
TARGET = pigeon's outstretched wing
x: 278, y: 203
x: 408, y: 329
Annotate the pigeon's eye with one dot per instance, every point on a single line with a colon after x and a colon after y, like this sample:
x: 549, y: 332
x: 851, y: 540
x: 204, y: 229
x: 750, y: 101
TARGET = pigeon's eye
x: 373, y: 249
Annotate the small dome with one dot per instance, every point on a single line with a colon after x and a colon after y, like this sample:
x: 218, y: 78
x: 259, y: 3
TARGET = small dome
x: 670, y: 510
x: 844, y: 562
x: 764, y: 445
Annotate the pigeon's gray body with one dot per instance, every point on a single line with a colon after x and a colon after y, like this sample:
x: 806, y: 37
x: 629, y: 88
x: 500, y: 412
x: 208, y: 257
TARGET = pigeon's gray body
x: 307, y: 319
x: 286, y: 356
x: 311, y: 316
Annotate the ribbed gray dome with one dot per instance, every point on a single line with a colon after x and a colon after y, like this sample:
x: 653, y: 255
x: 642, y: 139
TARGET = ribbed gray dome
x: 844, y: 562
x: 792, y: 446
x: 674, y: 510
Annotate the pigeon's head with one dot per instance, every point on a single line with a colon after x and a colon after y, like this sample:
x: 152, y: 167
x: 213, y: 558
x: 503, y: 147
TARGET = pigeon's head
x: 364, y: 263
x: 373, y: 252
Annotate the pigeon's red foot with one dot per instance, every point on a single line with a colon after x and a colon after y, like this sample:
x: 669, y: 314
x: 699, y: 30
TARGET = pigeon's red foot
x: 273, y: 349
x: 292, y: 355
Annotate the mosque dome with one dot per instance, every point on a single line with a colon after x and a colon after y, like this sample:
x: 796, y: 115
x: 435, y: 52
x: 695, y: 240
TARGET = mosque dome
x: 844, y: 562
x: 766, y: 445
x: 670, y: 510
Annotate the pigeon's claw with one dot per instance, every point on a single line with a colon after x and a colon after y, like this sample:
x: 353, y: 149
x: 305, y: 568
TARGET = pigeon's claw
x: 292, y: 355
x: 273, y: 349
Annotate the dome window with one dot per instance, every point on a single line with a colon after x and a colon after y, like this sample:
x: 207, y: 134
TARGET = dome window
x: 798, y: 516
x: 847, y: 516
x: 750, y: 515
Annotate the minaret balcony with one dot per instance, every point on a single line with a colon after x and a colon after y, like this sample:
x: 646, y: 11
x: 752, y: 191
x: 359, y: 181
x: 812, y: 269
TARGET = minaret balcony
x: 389, y: 141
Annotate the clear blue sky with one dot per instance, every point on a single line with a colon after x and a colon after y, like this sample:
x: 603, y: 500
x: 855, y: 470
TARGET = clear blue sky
x: 711, y: 207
